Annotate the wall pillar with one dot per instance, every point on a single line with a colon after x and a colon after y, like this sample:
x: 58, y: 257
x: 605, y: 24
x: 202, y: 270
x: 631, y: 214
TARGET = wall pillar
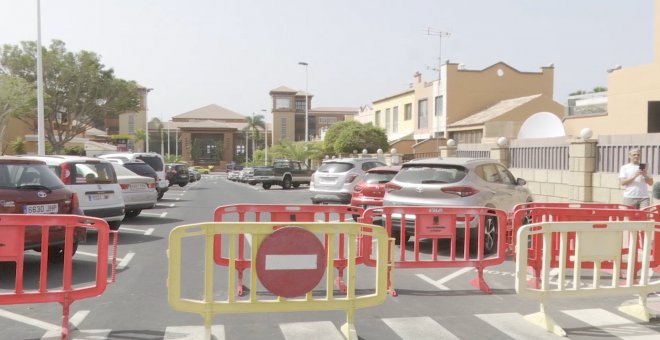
x: 500, y: 153
x: 448, y: 151
x: 581, y: 166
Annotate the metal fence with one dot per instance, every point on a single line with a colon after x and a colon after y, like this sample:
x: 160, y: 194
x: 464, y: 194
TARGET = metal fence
x: 539, y: 157
x: 611, y: 157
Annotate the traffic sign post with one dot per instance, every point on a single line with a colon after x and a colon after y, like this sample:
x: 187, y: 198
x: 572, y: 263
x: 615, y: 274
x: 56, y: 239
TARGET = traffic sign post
x: 290, y: 262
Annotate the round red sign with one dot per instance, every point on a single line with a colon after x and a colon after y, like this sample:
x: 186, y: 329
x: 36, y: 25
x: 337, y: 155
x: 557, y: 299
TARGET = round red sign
x: 290, y: 261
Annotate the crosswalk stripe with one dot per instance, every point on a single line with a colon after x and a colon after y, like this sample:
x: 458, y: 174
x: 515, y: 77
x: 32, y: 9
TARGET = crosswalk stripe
x: 321, y: 330
x: 418, y: 328
x: 193, y: 332
x: 613, y: 324
x: 79, y: 334
x: 515, y: 326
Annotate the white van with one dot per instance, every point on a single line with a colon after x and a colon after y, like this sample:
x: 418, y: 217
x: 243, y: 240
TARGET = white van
x: 95, y: 183
x: 154, y: 160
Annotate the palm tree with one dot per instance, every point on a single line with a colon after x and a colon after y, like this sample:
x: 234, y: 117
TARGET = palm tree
x: 253, y: 123
x: 159, y: 126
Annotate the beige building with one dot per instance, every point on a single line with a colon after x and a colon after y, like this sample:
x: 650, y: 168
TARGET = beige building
x: 288, y: 110
x: 633, y: 98
x: 469, y: 106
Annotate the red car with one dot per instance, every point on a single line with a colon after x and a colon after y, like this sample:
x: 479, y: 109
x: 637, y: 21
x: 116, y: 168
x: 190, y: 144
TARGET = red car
x: 30, y: 187
x: 369, y: 192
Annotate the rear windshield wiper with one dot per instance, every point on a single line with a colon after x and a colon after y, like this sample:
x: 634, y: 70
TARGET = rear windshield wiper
x: 34, y: 186
x: 432, y: 181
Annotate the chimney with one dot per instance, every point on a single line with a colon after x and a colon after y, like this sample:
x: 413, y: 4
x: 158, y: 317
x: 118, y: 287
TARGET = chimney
x: 418, y: 77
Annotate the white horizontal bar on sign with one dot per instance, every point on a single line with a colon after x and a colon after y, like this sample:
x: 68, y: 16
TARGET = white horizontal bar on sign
x: 290, y: 262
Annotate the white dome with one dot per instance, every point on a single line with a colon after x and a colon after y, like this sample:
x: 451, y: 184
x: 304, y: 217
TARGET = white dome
x: 541, y: 125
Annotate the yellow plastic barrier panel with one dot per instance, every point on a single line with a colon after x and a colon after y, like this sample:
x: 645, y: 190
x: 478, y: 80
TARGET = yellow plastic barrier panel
x: 291, y: 269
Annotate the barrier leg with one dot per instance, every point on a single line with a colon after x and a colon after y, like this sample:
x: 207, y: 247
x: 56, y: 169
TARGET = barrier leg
x: 480, y: 282
x: 340, y: 264
x: 65, y: 318
x: 208, y: 320
x: 543, y: 320
x: 348, y: 329
x: 390, y: 267
x: 639, y: 310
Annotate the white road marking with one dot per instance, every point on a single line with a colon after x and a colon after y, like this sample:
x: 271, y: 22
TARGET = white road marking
x: 193, y: 332
x: 161, y: 215
x: 440, y: 283
x: 515, y: 326
x: 419, y: 328
x: 124, y: 261
x: 613, y: 324
x: 321, y: 330
x: 149, y: 231
x: 29, y: 321
x: 141, y: 231
x: 171, y: 205
x: 78, y: 334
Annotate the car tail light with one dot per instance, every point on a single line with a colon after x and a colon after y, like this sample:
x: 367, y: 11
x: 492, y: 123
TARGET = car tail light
x: 124, y: 186
x: 65, y: 173
x: 151, y: 185
x: 463, y: 191
x: 351, y: 178
x: 389, y: 187
x: 358, y: 187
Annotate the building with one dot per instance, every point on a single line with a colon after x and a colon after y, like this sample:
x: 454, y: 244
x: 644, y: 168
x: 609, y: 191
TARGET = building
x: 288, y: 110
x: 469, y: 106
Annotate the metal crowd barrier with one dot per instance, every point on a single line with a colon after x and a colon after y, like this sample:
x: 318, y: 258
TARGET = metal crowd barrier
x: 289, y: 261
x: 545, y: 214
x: 596, y: 244
x: 281, y: 213
x: 442, y: 223
x: 13, y: 229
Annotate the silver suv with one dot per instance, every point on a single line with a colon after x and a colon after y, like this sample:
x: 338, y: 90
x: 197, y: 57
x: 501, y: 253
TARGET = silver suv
x: 456, y: 182
x: 334, y: 180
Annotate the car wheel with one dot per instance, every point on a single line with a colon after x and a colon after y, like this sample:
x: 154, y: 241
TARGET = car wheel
x: 286, y: 184
x: 490, y: 236
x: 114, y: 225
x: 296, y: 185
x: 252, y: 183
x: 133, y: 213
x: 160, y: 195
x: 182, y: 184
x: 265, y: 186
x: 56, y: 253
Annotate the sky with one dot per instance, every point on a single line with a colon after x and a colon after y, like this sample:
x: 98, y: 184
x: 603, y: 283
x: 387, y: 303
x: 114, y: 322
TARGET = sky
x: 234, y: 52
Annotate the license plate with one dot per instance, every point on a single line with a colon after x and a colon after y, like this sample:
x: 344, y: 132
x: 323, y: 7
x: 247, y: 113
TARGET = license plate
x: 137, y: 186
x: 41, y: 209
x: 98, y: 197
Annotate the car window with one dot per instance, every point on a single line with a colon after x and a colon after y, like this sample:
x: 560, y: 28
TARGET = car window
x: 505, y: 175
x: 378, y: 177
x: 122, y: 171
x: 431, y: 174
x: 154, y: 161
x: 141, y: 169
x: 335, y: 167
x: 490, y: 174
x: 370, y: 165
x: 94, y: 173
x: 17, y: 175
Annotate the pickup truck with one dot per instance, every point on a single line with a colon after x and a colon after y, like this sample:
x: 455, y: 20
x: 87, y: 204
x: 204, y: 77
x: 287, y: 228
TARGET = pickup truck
x: 285, y: 173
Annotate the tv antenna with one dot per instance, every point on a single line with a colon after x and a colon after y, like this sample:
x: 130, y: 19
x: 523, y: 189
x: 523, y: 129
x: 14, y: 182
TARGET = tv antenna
x: 440, y: 34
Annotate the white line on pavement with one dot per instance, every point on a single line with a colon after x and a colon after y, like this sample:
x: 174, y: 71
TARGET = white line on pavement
x: 149, y: 231
x: 193, y: 332
x: 141, y: 231
x: 124, y: 262
x: 440, y: 283
x: 29, y: 321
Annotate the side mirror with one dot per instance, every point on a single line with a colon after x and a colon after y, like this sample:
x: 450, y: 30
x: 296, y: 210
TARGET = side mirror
x: 520, y: 181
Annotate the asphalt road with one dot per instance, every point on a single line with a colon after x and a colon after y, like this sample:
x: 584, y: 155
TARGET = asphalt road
x: 431, y: 303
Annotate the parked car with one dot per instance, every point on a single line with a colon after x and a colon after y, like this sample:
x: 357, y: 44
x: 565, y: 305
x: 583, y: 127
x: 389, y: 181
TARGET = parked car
x: 177, y: 174
x: 334, y: 180
x: 95, y: 183
x: 247, y: 176
x: 139, y: 192
x: 369, y: 192
x: 456, y: 182
x: 29, y: 187
x: 143, y: 169
x: 154, y: 160
x: 284, y: 172
x: 194, y: 174
x: 204, y: 170
x: 233, y: 175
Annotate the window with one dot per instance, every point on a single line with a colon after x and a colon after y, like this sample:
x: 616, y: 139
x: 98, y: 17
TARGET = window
x: 387, y: 120
x: 395, y: 119
x: 283, y: 128
x: 283, y: 103
x: 407, y: 112
x: 327, y: 120
x: 439, y: 103
x: 131, y: 124
x: 422, y: 114
x: 300, y: 105
x: 377, y: 118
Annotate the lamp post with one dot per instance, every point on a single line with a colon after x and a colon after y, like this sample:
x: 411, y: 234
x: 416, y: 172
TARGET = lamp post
x: 41, y: 134
x: 146, y: 120
x: 306, y: 100
x: 265, y: 139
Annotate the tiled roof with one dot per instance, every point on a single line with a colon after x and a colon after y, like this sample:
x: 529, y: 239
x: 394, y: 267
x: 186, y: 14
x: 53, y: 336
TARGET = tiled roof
x: 212, y: 111
x: 494, y: 111
x: 203, y: 124
x: 346, y: 110
x: 284, y: 89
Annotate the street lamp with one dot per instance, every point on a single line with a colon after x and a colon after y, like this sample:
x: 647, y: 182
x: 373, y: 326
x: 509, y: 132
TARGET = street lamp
x: 265, y: 138
x: 306, y: 100
x: 146, y: 120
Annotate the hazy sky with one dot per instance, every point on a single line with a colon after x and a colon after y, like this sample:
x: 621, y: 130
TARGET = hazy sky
x: 233, y: 52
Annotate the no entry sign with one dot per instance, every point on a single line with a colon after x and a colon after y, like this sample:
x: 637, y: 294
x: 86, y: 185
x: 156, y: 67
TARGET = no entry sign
x: 290, y: 262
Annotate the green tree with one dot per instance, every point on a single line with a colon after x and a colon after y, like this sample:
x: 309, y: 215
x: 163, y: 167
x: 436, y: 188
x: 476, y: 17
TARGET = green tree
x: 299, y: 151
x: 333, y: 133
x: 253, y: 125
x: 348, y: 136
x: 600, y: 89
x: 79, y: 91
x: 18, y: 146
x: 17, y: 97
x: 577, y: 93
x: 139, y: 136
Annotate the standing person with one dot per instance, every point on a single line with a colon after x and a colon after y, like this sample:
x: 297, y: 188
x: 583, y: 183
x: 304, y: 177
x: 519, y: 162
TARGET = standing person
x: 635, y: 182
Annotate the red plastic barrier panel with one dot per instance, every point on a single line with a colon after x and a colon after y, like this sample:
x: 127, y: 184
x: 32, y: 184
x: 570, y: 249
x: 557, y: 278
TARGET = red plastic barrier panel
x: 280, y: 213
x: 549, y: 214
x: 477, y: 230
x: 56, y: 237
x: 510, y: 234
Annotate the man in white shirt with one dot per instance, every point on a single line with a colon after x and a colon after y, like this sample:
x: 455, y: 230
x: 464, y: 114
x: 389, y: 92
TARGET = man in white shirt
x: 635, y: 182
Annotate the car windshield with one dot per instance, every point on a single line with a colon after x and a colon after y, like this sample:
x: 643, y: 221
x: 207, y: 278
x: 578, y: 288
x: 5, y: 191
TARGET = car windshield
x: 27, y: 175
x: 154, y: 161
x: 335, y: 167
x: 141, y: 169
x: 431, y: 174
x: 378, y: 177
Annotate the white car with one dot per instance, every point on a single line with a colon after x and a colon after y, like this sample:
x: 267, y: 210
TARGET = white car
x: 156, y: 161
x: 139, y: 192
x: 95, y: 183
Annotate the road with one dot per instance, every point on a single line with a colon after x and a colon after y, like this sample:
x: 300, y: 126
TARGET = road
x: 431, y: 303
